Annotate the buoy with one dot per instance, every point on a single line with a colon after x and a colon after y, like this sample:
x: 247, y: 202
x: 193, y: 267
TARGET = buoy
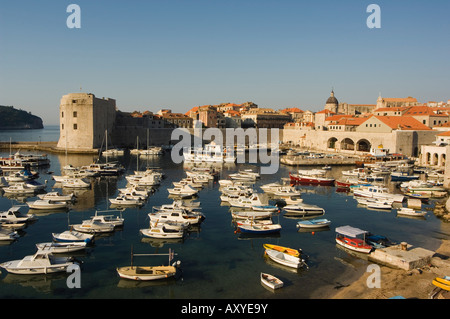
x: 313, y: 233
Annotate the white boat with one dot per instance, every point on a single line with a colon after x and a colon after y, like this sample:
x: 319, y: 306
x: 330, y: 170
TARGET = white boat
x: 122, y: 200
x: 41, y: 262
x: 251, y: 215
x: 7, y: 234
x: 170, y: 224
x: 19, y: 189
x: 271, y: 187
x: 259, y: 228
x: 113, y: 152
x: 56, y: 196
x: 75, y: 183
x: 191, y: 181
x: 176, y: 206
x: 93, y: 227
x: 178, y: 216
x: 116, y: 221
x: 286, y: 192
x: 265, y: 208
x: 185, y: 191
x: 302, y: 209
x: 211, y: 153
x: 148, y: 179
x: 72, y: 236
x: 378, y: 192
x: 161, y: 231
x: 61, y: 248
x: 247, y: 202
x: 313, y: 223
x: 285, y: 259
x: 153, y: 150
x: 47, y: 204
x: 14, y: 215
x: 411, y: 212
x: 271, y: 281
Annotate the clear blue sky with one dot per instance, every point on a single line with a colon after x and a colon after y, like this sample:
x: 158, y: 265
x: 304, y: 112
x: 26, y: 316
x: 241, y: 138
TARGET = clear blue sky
x: 179, y: 54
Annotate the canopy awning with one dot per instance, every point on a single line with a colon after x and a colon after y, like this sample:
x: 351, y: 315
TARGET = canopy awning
x: 350, y: 231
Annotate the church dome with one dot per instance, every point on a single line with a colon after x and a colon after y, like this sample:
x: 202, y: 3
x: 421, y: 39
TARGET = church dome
x: 332, y: 99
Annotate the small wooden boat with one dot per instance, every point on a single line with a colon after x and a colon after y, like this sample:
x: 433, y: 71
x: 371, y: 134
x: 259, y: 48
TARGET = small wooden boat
x: 443, y: 283
x: 260, y: 229
x: 411, y: 212
x: 313, y: 223
x: 285, y: 259
x: 271, y: 281
x: 61, y: 248
x: 346, y: 236
x: 290, y: 251
x: 147, y: 273
x: 265, y: 208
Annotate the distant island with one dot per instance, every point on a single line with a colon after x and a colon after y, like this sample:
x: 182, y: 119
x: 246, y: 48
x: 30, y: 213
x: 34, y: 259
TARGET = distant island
x: 14, y: 119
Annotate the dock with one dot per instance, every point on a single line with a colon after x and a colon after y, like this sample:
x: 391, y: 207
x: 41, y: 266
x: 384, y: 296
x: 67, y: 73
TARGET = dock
x: 403, y: 256
x: 49, y: 147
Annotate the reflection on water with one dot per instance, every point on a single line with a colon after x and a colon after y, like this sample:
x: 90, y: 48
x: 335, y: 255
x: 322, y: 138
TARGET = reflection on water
x: 214, y: 259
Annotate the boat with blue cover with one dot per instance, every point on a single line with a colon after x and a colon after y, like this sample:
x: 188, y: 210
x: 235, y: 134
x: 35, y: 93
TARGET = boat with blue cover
x: 313, y: 223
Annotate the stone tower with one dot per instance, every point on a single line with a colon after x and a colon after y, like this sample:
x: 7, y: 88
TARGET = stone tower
x: 84, y: 119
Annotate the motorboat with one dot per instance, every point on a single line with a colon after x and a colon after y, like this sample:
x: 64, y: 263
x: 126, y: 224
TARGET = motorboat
x: 75, y: 183
x: 285, y: 259
x: 271, y: 281
x: 7, y: 234
x: 92, y: 226
x: 61, y: 248
x: 72, y: 236
x: 311, y: 179
x: 19, y: 189
x: 379, y: 192
x: 13, y: 214
x: 286, y: 250
x: 116, y: 221
x: 313, y: 223
x: 123, y: 200
x: 251, y: 215
x: 286, y: 192
x: 47, y: 204
x: 265, y: 208
x: 41, y: 262
x: 177, y: 215
x: 246, y: 202
x: 302, y: 209
x: 271, y: 187
x: 57, y: 196
x: 185, y: 191
x: 113, y: 152
x: 161, y: 231
x: 347, y: 237
x: 411, y: 212
x: 153, y: 150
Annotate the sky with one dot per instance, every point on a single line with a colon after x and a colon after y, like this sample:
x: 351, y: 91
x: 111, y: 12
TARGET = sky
x: 177, y: 54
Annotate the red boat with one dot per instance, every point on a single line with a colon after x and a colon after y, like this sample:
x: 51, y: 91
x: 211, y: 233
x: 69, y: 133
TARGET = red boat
x: 346, y: 237
x: 311, y: 180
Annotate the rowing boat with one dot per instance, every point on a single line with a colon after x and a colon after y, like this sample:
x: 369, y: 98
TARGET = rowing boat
x: 286, y: 250
x: 271, y: 281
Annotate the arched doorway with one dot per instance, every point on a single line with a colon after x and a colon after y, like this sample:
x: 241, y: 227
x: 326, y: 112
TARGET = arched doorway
x: 363, y: 145
x: 332, y: 143
x: 347, y: 144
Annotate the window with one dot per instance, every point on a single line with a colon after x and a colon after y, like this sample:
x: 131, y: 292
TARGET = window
x: 75, y: 126
x: 75, y: 114
x: 62, y: 114
x: 62, y: 126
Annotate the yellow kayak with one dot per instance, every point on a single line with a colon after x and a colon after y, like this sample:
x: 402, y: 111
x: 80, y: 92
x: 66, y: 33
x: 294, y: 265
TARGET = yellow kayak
x: 289, y: 251
x: 442, y: 283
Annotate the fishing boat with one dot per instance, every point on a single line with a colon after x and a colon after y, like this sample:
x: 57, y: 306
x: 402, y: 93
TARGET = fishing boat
x: 313, y: 223
x: 286, y: 192
x: 75, y: 183
x: 7, y: 234
x: 61, y: 248
x: 57, y: 196
x: 271, y: 187
x: 47, y: 204
x: 41, y: 262
x: 123, y: 200
x: 116, y: 221
x: 161, y: 231
x: 286, y: 250
x: 259, y: 229
x: 147, y: 273
x: 285, y: 259
x: 346, y: 236
x: 402, y: 177
x: 177, y: 215
x: 265, y: 208
x: 302, y: 209
x: 246, y: 202
x: 411, y: 212
x: 19, y: 189
x: 72, y: 236
x: 311, y: 177
x: 271, y: 281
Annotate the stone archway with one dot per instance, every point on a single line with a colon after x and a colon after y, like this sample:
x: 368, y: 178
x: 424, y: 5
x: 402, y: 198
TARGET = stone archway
x: 363, y: 145
x: 332, y: 143
x: 347, y: 144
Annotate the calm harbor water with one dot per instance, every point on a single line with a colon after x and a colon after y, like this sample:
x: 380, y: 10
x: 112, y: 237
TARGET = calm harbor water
x: 216, y: 262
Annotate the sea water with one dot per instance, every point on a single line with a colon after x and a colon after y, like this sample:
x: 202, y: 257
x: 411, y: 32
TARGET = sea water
x: 216, y: 262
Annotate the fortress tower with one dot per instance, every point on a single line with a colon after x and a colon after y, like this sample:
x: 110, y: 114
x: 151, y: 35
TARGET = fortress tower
x: 84, y: 119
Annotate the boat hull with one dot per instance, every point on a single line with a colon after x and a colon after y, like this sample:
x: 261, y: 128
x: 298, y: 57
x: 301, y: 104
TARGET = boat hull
x: 306, y: 180
x: 349, y: 245
x: 140, y: 273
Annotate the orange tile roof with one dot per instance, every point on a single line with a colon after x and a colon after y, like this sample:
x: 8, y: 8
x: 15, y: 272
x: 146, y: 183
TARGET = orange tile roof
x: 403, y: 123
x: 446, y: 133
x: 337, y: 117
x: 326, y: 112
x: 355, y: 121
x: 422, y: 110
x: 292, y: 110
